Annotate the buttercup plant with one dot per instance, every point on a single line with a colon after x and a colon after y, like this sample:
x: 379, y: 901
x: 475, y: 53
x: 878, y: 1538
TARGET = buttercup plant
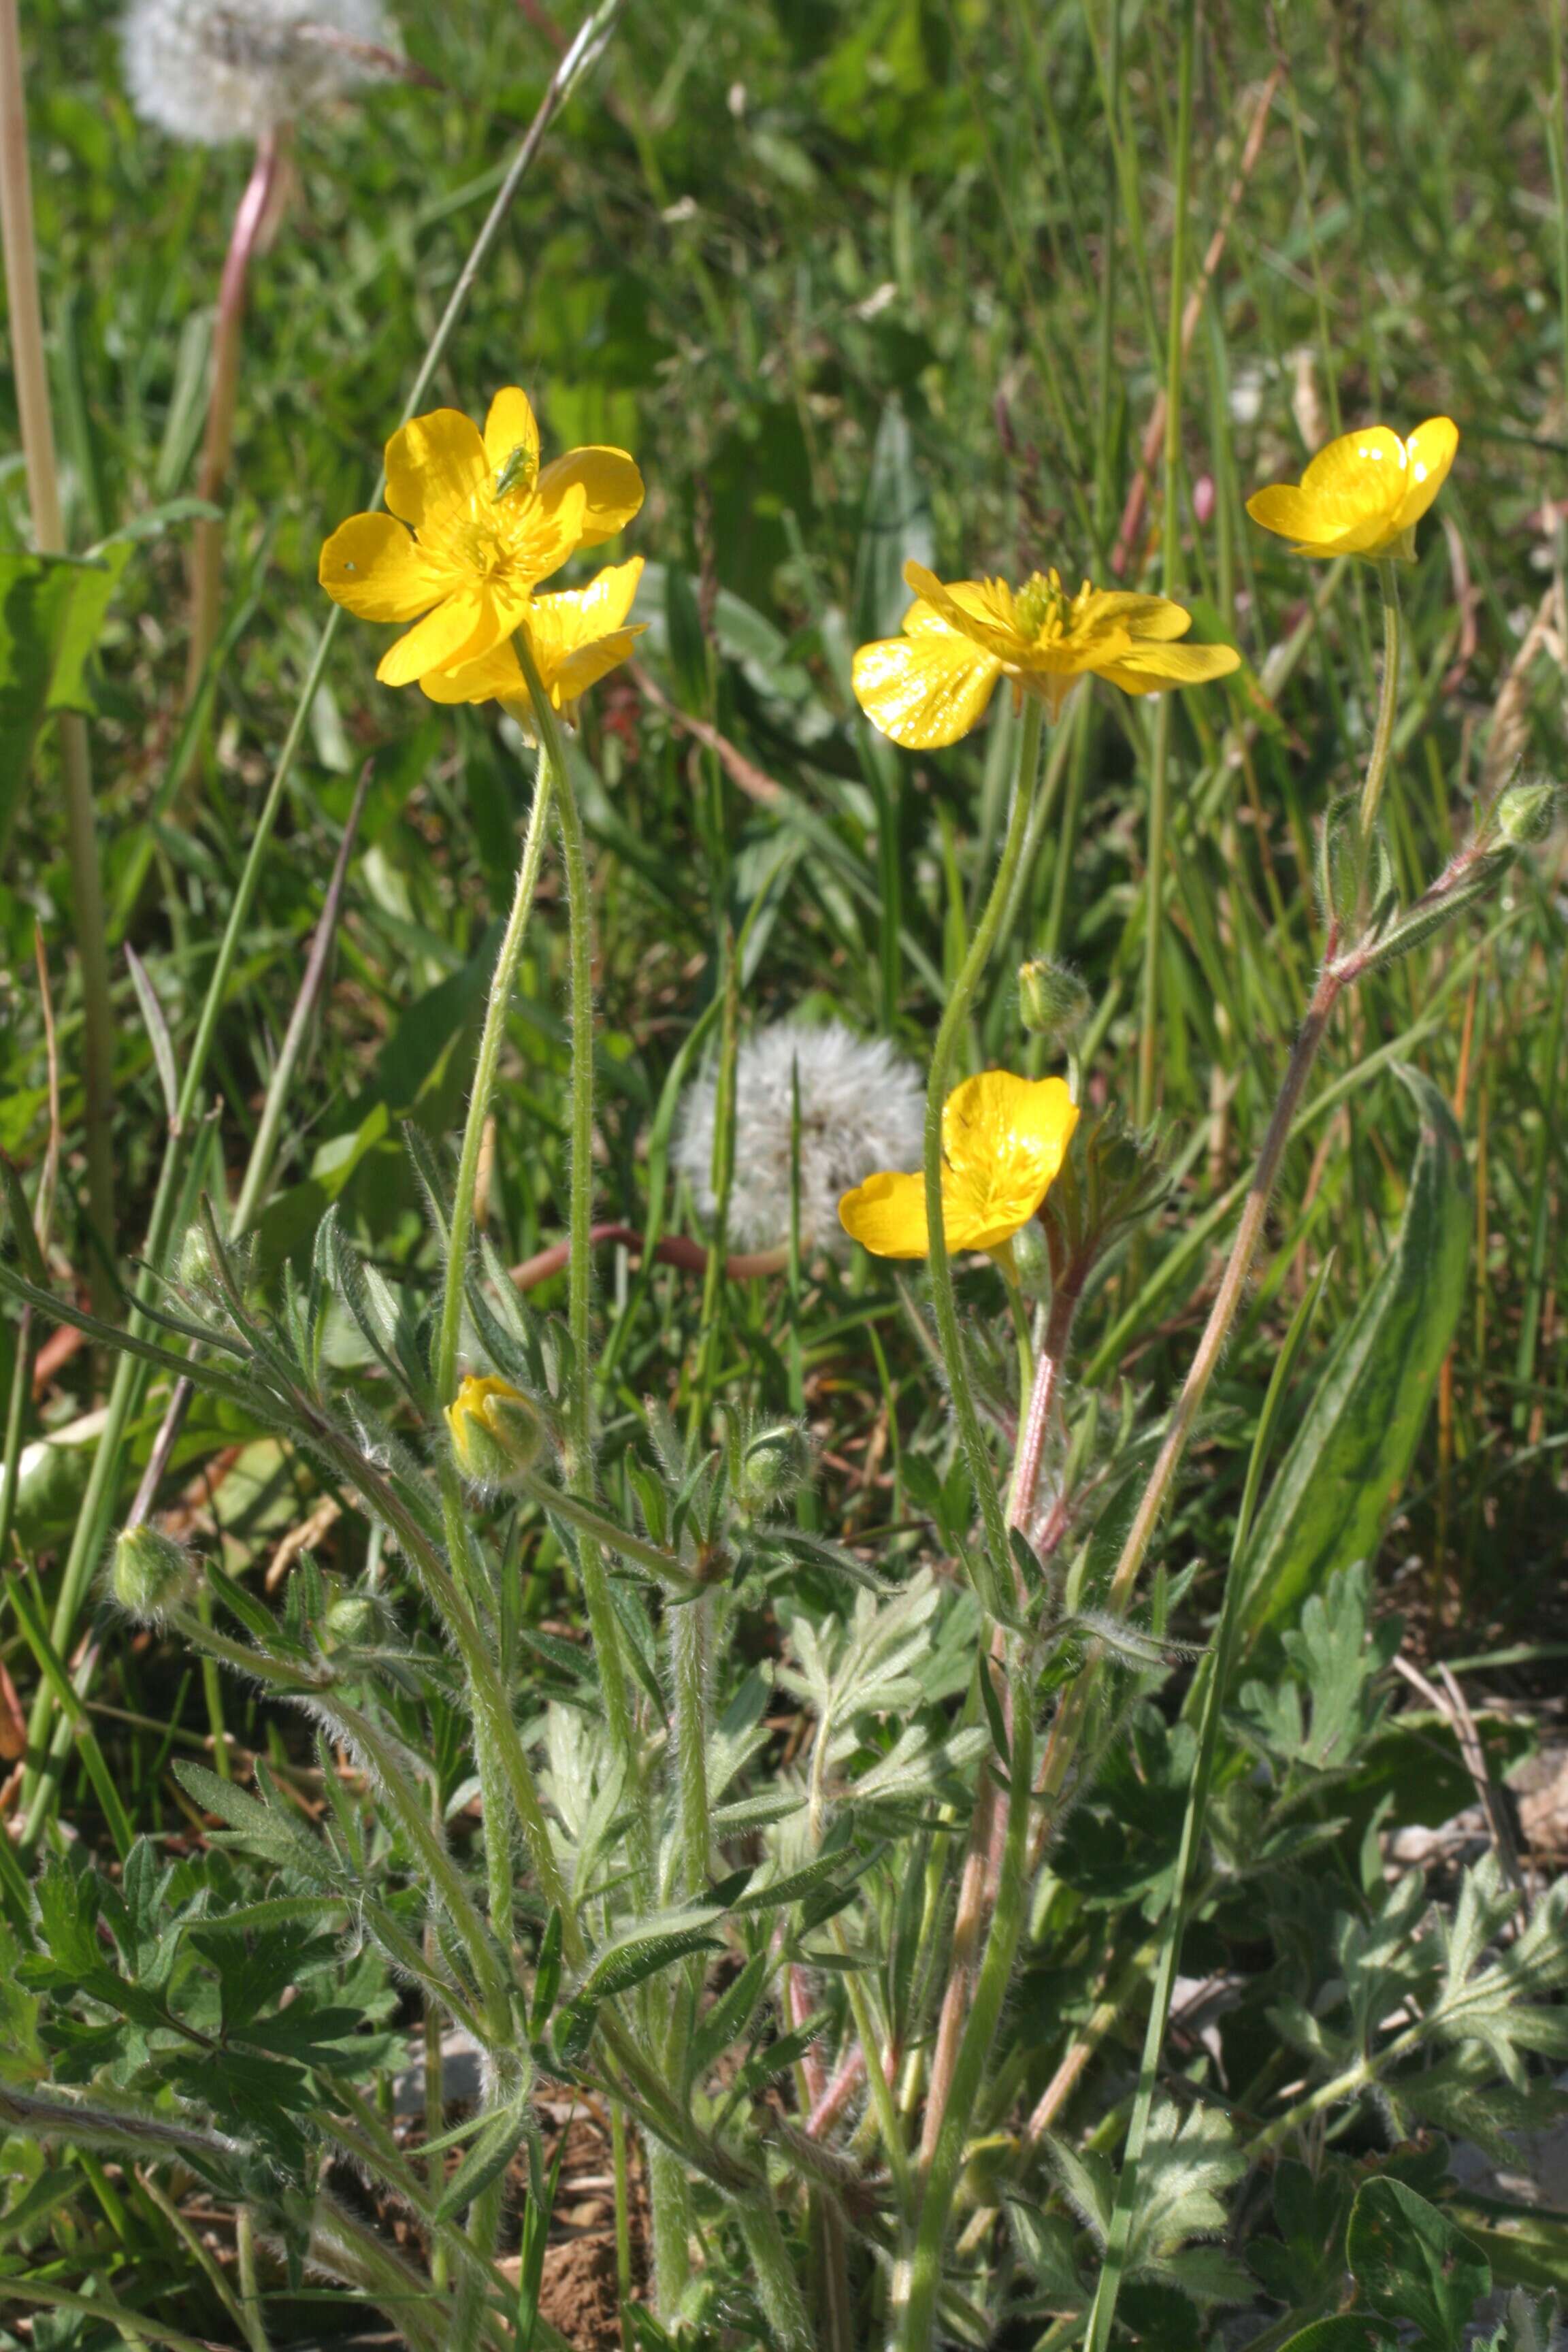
x: 826, y: 1870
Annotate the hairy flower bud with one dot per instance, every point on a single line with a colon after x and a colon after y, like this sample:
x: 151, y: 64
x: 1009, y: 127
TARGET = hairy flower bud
x: 774, y: 1464
x: 150, y: 1574
x: 356, y: 1618
x: 1526, y: 812
x: 497, y: 1434
x: 1052, y: 999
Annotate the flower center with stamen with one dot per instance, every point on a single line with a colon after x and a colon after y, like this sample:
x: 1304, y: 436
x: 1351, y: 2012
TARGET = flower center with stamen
x: 1042, y: 607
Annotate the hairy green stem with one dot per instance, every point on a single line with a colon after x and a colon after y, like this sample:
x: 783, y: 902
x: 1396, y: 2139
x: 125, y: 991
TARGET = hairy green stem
x: 778, y: 2289
x: 915, y: 2309
x: 1171, y: 553
x: 1387, y: 703
x: 604, y: 1623
x: 951, y: 1030
x: 491, y: 1039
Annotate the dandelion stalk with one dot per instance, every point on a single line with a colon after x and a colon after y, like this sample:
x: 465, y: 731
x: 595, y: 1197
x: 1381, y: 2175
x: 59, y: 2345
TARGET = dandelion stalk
x: 31, y: 369
x: 952, y: 1028
x: 206, y: 543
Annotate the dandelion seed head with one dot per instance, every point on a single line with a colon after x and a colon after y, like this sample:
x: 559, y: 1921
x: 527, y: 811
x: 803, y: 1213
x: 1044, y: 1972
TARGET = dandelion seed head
x: 212, y: 70
x: 862, y: 1107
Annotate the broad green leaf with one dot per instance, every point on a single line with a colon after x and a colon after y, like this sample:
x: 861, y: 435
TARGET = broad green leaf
x: 1354, y: 1449
x: 52, y: 610
x: 1410, y: 2262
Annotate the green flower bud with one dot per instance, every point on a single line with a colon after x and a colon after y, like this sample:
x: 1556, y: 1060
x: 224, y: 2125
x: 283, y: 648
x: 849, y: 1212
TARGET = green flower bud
x: 1031, y: 1259
x: 1052, y: 999
x: 150, y: 1574
x: 775, y: 1465
x: 1526, y: 812
x: 355, y: 1618
x: 497, y: 1434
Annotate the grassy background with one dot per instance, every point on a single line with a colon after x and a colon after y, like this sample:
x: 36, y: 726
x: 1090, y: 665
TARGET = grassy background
x: 851, y: 282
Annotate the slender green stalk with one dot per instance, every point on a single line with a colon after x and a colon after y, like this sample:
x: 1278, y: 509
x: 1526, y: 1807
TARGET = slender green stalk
x: 30, y: 370
x: 1556, y: 138
x: 490, y: 1042
x: 258, y: 1167
x: 915, y: 2322
x: 955, y: 1017
x: 1387, y: 703
x: 689, y: 1637
x: 1171, y: 555
x: 603, y: 1622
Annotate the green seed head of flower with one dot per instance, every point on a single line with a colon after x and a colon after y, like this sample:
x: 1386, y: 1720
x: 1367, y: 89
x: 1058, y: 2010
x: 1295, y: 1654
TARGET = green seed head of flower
x: 150, y: 1574
x: 1042, y: 601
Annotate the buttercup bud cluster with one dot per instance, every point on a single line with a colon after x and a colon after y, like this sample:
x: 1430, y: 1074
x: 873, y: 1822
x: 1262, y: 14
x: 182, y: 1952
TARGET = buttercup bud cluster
x: 213, y: 71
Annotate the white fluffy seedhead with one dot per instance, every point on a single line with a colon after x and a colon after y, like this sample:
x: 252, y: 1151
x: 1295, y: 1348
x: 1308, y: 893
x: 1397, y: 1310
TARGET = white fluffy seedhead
x: 862, y: 1109
x: 212, y: 70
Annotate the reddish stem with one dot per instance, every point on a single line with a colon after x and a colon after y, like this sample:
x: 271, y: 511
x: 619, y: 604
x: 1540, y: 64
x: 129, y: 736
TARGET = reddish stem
x: 673, y: 1249
x: 207, y: 545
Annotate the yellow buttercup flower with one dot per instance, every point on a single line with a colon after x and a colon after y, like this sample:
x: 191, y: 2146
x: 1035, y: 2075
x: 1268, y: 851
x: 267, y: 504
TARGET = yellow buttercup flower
x: 1363, y: 494
x: 475, y: 523
x: 1003, y: 1139
x: 931, y: 685
x: 495, y: 1432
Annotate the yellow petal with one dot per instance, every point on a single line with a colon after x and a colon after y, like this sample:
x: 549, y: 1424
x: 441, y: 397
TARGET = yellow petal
x: 1005, y: 1138
x: 611, y: 485
x: 887, y: 1214
x: 553, y: 532
x: 575, y: 616
x: 1349, y: 499
x: 435, y: 464
x: 511, y: 424
x: 440, y: 641
x: 1150, y: 670
x: 927, y: 690
x: 1431, y: 450
x: 495, y: 677
x: 999, y: 1116
x: 1156, y: 618
x: 1363, y: 465
x: 980, y: 610
x: 372, y: 567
